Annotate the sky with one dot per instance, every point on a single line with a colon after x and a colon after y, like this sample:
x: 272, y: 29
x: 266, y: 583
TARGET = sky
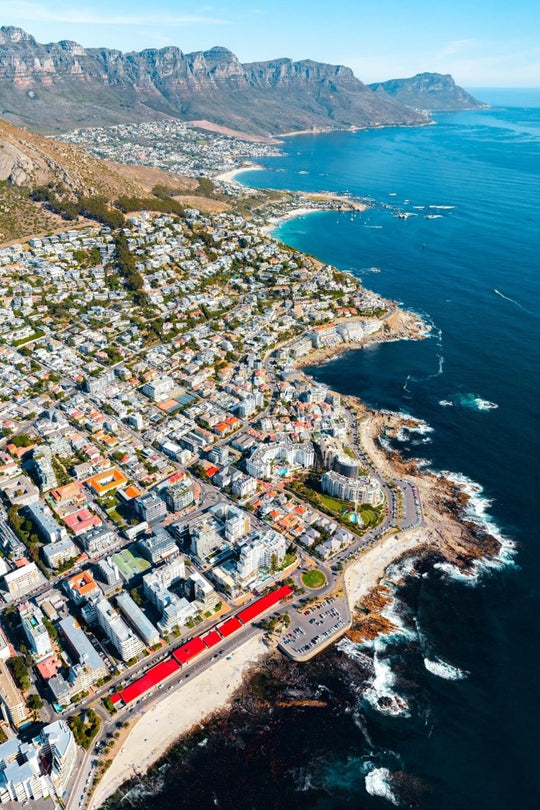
x: 482, y: 43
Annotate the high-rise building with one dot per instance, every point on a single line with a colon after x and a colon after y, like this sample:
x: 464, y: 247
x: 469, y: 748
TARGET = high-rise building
x: 58, y: 745
x: 47, y: 527
x: 260, y: 550
x: 179, y: 496
x: 150, y: 507
x: 23, y: 580
x: 40, y: 768
x: 364, y: 489
x: 204, y: 539
x: 125, y: 642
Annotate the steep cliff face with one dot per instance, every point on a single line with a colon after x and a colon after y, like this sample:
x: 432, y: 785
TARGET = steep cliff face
x: 428, y: 91
x: 57, y: 86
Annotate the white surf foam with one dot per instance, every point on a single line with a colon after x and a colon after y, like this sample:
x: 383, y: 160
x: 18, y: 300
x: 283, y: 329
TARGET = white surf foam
x: 354, y: 652
x: 476, y: 402
x: 416, y: 425
x: 377, y: 784
x: 442, y: 669
x: 446, y: 403
x: 380, y: 693
x: 476, y: 511
x: 401, y: 569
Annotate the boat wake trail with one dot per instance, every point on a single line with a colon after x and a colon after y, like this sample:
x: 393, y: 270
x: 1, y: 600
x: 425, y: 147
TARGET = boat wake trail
x: 512, y: 300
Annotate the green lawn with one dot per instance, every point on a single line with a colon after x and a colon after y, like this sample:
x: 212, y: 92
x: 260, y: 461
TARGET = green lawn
x: 334, y: 504
x: 313, y: 578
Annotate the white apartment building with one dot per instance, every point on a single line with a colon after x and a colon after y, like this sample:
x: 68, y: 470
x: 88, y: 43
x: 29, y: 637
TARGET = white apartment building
x: 258, y: 552
x: 24, y: 579
x: 40, y: 768
x: 364, y: 489
x: 159, y: 389
x: 34, y: 630
x: 12, y: 705
x: 125, y: 642
x: 263, y: 461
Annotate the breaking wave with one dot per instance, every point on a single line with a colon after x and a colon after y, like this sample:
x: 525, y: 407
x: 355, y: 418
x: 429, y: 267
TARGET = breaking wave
x: 476, y: 510
x: 380, y: 692
x: 377, y: 784
x: 442, y: 669
x: 476, y: 403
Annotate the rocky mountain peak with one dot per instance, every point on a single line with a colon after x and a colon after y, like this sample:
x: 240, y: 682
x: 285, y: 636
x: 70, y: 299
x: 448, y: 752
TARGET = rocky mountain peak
x: 10, y: 35
x: 60, y: 86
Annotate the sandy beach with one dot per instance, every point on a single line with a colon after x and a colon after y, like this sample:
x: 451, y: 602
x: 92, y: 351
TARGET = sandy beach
x: 275, y: 222
x: 366, y: 572
x: 170, y: 717
x: 345, y: 204
x: 230, y: 176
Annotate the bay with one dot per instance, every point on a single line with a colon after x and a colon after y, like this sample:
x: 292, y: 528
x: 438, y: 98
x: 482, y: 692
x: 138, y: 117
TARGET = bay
x: 468, y: 659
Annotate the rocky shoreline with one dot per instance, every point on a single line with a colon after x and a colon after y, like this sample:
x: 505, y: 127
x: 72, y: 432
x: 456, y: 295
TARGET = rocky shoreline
x: 273, y: 685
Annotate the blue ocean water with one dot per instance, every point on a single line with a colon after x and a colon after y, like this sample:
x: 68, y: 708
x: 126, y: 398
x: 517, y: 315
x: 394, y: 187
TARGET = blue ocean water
x: 473, y: 272
x: 468, y: 659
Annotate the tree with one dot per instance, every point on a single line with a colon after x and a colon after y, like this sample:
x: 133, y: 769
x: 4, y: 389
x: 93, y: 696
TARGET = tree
x: 34, y: 702
x: 135, y: 595
x: 19, y: 670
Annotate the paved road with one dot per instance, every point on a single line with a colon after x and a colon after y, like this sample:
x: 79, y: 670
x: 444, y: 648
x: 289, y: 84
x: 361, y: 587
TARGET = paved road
x: 79, y: 791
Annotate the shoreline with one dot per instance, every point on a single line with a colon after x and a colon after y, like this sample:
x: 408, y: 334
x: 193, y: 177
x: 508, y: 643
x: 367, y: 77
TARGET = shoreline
x: 445, y: 530
x: 230, y: 175
x: 329, y: 130
x: 275, y: 222
x: 345, y: 203
x: 170, y: 718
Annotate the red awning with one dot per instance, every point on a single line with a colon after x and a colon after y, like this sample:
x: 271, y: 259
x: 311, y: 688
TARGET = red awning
x: 152, y: 678
x: 230, y: 626
x: 264, y: 604
x: 189, y: 650
x: 212, y: 638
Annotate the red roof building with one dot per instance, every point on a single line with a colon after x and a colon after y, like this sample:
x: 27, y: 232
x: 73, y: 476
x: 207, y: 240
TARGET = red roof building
x: 230, y: 626
x: 152, y: 678
x: 212, y: 638
x: 190, y: 650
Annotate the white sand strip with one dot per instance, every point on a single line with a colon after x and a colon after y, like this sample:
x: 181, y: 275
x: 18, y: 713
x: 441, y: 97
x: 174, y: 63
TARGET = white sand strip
x: 173, y: 715
x: 366, y: 572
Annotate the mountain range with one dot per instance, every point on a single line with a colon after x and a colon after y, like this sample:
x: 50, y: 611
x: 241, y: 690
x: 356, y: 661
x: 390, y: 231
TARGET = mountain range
x: 59, y: 86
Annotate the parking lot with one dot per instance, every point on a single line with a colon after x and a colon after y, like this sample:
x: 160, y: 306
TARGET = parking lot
x: 315, y: 627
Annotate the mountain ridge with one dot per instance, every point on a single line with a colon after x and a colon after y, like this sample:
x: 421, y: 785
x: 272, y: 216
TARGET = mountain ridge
x: 58, y: 86
x: 428, y: 91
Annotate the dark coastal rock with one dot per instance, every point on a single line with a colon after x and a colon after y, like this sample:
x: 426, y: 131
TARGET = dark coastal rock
x: 61, y: 85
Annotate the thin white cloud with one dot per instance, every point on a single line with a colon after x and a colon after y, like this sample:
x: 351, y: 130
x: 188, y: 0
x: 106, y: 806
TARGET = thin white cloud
x: 37, y: 12
x: 458, y: 46
x: 474, y: 63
